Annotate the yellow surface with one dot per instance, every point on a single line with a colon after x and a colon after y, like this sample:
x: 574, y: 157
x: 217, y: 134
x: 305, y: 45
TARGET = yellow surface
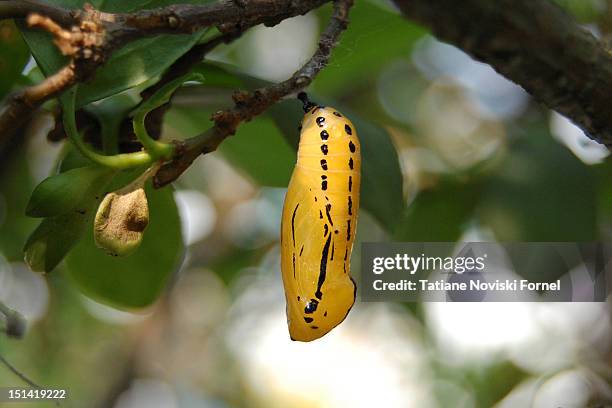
x: 318, y: 225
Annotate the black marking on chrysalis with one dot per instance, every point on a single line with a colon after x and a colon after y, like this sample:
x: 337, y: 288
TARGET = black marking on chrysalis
x: 298, y: 298
x: 348, y: 230
x: 293, y: 223
x: 348, y: 129
x: 314, y: 327
x: 320, y: 121
x: 323, y: 268
x: 327, y: 210
x: 352, y: 147
x: 337, y: 114
x: 311, y: 306
x: 331, y: 257
x: 350, y: 206
x: 323, y: 184
x: 301, y: 250
x: 344, y: 266
x: 351, y: 163
x: 336, y: 231
x: 325, y: 314
x: 308, y: 319
x: 350, y: 186
x: 316, y: 199
x: 324, y: 164
x: 324, y: 135
x: 320, y: 214
x: 324, y: 149
x: 325, y: 230
x: 345, y: 253
x: 294, y: 265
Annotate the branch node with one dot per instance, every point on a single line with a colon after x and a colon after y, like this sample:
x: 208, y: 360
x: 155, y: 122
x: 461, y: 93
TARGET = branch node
x: 240, y: 97
x: 173, y: 21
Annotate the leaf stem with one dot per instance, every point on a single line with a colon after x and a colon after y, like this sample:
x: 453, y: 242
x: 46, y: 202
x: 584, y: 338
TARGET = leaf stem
x: 118, y: 161
x: 157, y: 150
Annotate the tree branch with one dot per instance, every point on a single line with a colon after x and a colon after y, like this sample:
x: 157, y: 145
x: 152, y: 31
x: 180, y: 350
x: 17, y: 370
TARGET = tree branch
x: 247, y: 105
x: 96, y: 35
x: 187, y: 18
x: 535, y: 44
x: 22, y: 8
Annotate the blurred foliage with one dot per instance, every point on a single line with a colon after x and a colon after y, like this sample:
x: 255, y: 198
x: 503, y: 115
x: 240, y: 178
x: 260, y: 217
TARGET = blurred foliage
x: 376, y: 36
x: 435, y: 168
x: 14, y: 56
x: 541, y: 192
x: 440, y: 214
x: 584, y: 10
x: 16, y: 182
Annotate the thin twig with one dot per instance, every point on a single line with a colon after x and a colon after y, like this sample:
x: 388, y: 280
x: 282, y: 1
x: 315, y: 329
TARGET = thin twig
x: 248, y: 105
x: 15, y: 323
x: 18, y: 373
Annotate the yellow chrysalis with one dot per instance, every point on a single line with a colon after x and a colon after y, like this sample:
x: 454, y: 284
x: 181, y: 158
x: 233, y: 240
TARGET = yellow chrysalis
x: 318, y: 224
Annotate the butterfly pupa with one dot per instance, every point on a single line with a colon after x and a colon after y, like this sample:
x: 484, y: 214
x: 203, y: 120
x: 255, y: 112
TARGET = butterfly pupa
x: 318, y: 223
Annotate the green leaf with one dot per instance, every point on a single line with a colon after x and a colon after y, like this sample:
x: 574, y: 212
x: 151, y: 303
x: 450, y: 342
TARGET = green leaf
x: 381, y: 176
x: 72, y: 159
x: 15, y: 185
x: 111, y: 113
x: 164, y: 94
x: 137, y: 280
x: 47, y: 57
x: 53, y: 238
x: 135, y: 64
x: 67, y: 191
x: 541, y: 192
x: 13, y: 57
x: 440, y: 214
x: 218, y: 74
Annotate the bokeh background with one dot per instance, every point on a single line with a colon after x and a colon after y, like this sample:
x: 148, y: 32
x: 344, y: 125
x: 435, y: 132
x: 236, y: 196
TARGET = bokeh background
x: 479, y: 161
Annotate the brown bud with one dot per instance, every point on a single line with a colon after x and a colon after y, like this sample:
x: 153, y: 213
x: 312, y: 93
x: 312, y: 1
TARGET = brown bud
x: 121, y: 220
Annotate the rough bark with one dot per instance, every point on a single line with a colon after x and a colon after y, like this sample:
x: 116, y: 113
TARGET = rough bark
x: 535, y: 44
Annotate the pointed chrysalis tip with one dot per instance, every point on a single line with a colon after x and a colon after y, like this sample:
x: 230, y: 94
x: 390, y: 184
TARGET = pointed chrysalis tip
x: 307, y: 104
